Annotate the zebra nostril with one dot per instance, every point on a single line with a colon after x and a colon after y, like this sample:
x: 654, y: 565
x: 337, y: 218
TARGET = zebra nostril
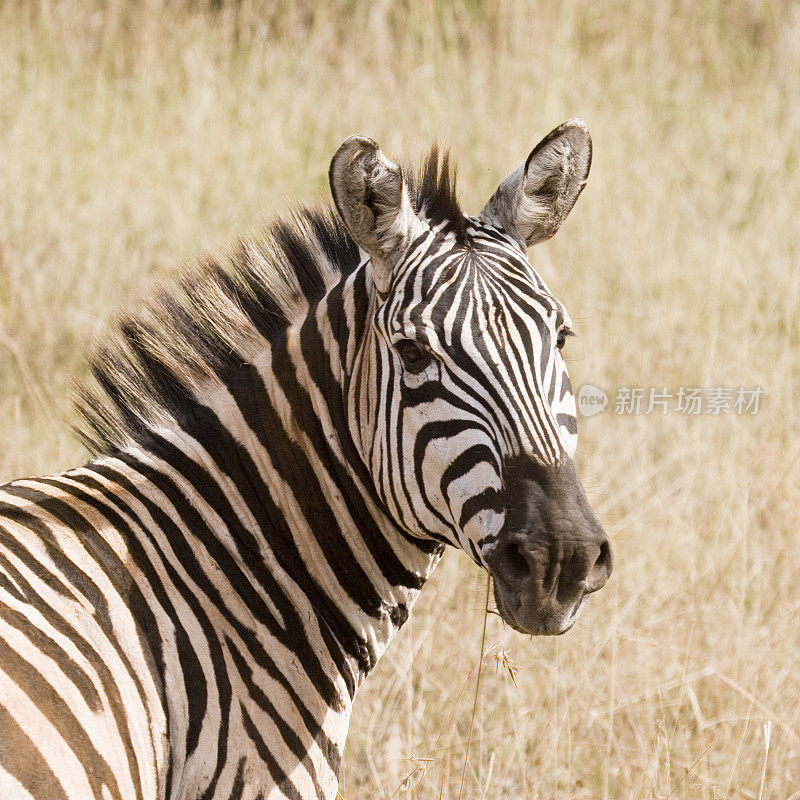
x: 514, y: 564
x: 600, y: 572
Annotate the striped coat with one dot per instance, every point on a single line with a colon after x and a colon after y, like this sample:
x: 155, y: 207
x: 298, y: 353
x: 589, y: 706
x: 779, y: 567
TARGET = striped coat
x: 284, y: 444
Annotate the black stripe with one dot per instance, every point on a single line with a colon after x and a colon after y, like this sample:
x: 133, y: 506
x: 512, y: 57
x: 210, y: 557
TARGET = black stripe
x: 52, y: 706
x: 319, y: 368
x: 143, y: 614
x: 191, y: 667
x: 569, y: 422
x: 202, y: 483
x: 289, y: 637
x: 74, y: 673
x: 290, y: 737
x: 282, y: 780
x: 237, y: 790
x: 104, y: 556
x: 465, y: 461
x: 8, y: 579
x: 22, y: 758
x: 293, y: 466
x: 489, y: 498
x: 232, y: 459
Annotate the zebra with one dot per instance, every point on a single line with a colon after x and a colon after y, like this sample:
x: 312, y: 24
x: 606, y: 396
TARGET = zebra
x: 283, y: 443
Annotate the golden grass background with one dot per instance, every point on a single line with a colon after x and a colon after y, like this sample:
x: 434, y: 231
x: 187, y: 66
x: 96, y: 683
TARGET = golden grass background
x: 134, y: 135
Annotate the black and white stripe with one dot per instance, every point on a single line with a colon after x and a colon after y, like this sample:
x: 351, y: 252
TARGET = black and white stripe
x: 189, y: 614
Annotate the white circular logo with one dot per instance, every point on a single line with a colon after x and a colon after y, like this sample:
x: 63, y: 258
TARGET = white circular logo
x: 591, y: 400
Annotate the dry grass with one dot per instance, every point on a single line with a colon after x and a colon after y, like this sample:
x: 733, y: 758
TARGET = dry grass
x: 133, y: 137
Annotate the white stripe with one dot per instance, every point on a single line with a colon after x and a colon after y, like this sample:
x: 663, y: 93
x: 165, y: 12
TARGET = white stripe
x: 64, y: 763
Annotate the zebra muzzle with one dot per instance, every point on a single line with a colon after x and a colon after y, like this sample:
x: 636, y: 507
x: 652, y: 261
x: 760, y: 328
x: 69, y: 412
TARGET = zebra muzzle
x: 552, y: 551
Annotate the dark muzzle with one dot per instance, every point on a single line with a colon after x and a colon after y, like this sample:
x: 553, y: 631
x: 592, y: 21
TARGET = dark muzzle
x: 551, y: 552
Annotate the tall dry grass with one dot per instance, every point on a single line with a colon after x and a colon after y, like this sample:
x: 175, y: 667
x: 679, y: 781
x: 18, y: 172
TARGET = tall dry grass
x: 133, y: 135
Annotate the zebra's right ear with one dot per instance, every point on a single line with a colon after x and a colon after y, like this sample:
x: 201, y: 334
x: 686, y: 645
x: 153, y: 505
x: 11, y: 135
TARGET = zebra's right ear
x: 373, y: 200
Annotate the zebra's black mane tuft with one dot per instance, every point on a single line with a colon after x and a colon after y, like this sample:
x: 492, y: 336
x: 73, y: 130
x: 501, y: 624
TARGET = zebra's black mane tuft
x: 193, y: 335
x: 433, y: 191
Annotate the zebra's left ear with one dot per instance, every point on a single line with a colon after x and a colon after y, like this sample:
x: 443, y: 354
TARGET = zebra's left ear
x: 536, y: 197
x: 373, y: 200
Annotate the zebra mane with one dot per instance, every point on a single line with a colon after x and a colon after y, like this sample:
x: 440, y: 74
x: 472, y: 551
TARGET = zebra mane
x: 196, y: 332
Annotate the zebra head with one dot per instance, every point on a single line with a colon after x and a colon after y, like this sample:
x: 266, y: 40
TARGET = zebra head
x: 459, y: 397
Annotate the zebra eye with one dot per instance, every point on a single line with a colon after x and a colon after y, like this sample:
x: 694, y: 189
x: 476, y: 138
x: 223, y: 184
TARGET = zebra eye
x: 415, y: 358
x: 561, y: 338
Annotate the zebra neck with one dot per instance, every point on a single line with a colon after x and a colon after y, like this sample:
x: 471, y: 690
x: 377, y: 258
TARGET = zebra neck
x: 269, y: 458
x: 367, y: 572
